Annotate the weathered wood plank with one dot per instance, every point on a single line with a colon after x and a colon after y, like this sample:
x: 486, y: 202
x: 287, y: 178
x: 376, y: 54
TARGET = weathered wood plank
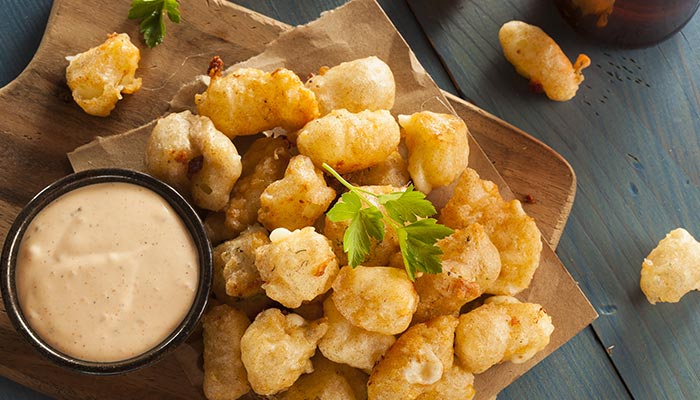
x: 631, y: 135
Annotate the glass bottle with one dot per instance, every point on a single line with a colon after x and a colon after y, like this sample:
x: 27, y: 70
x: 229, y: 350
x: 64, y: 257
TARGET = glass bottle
x: 628, y: 23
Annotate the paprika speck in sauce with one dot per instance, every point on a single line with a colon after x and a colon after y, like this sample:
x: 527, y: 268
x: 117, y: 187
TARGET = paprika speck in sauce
x: 106, y: 272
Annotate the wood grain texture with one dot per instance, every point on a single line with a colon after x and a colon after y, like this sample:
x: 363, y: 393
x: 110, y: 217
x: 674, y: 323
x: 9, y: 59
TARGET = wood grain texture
x: 631, y: 134
x: 48, y: 143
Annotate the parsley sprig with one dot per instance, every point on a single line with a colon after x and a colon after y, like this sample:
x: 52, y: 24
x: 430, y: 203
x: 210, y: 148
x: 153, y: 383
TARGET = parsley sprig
x: 407, y: 213
x: 151, y: 13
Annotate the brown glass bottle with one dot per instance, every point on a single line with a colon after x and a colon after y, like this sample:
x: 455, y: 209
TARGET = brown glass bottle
x: 628, y: 23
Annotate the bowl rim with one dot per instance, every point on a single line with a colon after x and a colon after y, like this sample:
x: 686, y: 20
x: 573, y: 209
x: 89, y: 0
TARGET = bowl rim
x: 69, y: 183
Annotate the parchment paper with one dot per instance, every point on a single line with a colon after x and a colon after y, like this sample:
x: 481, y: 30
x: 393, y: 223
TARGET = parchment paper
x: 360, y: 29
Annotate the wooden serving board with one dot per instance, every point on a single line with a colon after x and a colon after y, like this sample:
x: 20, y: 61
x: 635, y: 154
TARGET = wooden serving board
x: 40, y: 124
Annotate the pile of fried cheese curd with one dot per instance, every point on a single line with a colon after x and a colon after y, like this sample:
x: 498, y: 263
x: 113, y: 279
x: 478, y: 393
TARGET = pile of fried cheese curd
x: 291, y: 318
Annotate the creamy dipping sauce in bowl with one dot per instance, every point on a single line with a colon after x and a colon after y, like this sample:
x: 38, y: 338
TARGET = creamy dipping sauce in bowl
x: 105, y: 271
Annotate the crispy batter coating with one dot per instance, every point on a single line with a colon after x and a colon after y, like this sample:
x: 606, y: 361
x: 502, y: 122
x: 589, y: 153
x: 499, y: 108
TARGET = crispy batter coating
x: 235, y: 274
x: 225, y: 377
x: 296, y: 200
x: 348, y: 344
x: 438, y: 148
x: 470, y: 264
x: 358, y: 85
x: 329, y: 381
x: 538, y: 58
x: 187, y: 151
x: 99, y: 76
x: 263, y: 163
x: 377, y: 299
x: 672, y: 269
x: 503, y: 329
x: 393, y: 171
x: 456, y: 384
x: 380, y: 252
x: 417, y: 360
x: 513, y: 232
x: 482, y: 337
x: 350, y: 142
x: 248, y: 101
x: 296, y: 266
x: 276, y: 349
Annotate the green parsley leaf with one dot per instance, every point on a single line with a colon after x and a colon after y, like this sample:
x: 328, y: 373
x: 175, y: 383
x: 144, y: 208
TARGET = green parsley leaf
x: 417, y: 242
x: 405, y: 212
x: 151, y: 13
x: 356, y: 241
x: 407, y: 206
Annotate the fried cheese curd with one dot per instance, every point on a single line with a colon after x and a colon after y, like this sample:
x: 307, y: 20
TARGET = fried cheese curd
x: 511, y: 230
x: 348, y: 344
x: 380, y: 252
x: 329, y: 381
x: 225, y: 377
x: 296, y: 266
x: 187, y: 152
x: 377, y: 299
x: 350, y: 141
x: 503, y: 329
x: 672, y: 269
x: 456, y: 384
x: 470, y: 264
x: 298, y: 199
x: 438, y: 148
x: 263, y: 163
x: 393, y: 171
x: 357, y: 85
x: 235, y: 274
x: 419, y: 358
x: 537, y: 57
x: 276, y: 349
x: 99, y: 76
x: 248, y: 101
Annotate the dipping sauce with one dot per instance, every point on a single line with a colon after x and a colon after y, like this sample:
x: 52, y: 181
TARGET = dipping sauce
x: 106, y: 272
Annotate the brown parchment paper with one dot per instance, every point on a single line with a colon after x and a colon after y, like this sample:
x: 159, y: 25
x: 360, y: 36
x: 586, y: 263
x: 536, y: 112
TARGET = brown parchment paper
x: 360, y: 29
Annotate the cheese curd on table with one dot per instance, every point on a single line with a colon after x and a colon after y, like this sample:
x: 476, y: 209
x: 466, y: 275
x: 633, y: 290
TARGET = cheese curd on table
x: 106, y: 272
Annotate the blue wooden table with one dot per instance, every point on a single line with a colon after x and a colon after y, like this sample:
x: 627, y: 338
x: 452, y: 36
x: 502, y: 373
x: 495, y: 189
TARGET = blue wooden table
x: 631, y: 134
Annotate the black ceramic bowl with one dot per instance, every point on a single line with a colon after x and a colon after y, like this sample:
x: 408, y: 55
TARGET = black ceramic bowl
x: 75, y: 181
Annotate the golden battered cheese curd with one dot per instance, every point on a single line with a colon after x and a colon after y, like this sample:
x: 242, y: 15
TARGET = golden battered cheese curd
x: 672, y: 269
x: 470, y: 264
x: 438, y: 148
x: 99, y: 76
x: 187, y: 152
x: 248, y: 101
x: 276, y: 349
x: 393, y: 171
x: 298, y: 199
x: 263, y: 163
x: 348, y: 344
x: 419, y: 358
x: 380, y: 252
x: 503, y: 329
x: 350, y: 141
x: 377, y: 299
x: 537, y: 57
x: 296, y: 266
x: 456, y: 384
x: 511, y: 230
x: 225, y: 377
x: 358, y: 85
x: 235, y: 274
x: 329, y: 381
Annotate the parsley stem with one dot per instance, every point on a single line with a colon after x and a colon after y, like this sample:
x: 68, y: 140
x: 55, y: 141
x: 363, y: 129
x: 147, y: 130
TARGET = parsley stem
x: 350, y: 186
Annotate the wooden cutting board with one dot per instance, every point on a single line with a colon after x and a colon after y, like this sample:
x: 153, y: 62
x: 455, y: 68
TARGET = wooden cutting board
x: 40, y: 124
